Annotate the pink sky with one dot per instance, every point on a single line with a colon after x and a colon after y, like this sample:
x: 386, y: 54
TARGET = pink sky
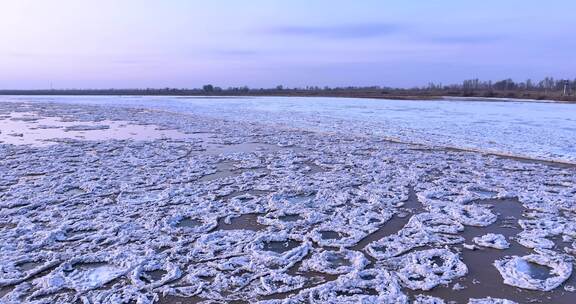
x: 153, y: 43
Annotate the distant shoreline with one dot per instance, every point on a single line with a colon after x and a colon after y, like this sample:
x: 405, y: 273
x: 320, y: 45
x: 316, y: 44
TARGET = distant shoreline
x: 400, y: 95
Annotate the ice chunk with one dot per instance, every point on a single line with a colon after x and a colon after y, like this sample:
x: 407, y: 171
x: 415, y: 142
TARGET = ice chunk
x: 523, y: 272
x: 422, y: 299
x: 497, y: 241
x: 490, y: 300
x: 335, y: 262
x: 427, y: 269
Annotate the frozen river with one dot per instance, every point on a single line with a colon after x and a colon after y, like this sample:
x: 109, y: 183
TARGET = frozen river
x: 125, y: 204
x: 529, y: 129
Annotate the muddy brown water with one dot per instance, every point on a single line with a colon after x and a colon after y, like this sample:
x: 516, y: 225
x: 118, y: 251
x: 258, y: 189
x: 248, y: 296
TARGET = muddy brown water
x: 245, y: 221
x: 396, y: 223
x: 257, y: 193
x: 153, y: 276
x: 281, y: 246
x: 191, y: 300
x: 223, y: 169
x: 290, y: 218
x: 483, y: 279
x: 26, y: 266
x: 226, y: 168
x: 332, y: 235
x: 5, y: 290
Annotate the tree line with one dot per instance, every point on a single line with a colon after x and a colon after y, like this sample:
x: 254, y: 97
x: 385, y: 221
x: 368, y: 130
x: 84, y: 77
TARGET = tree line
x: 547, y: 88
x: 548, y: 84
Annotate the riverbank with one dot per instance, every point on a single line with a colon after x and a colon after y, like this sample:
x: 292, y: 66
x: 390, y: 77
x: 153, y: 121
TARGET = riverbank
x: 342, y: 93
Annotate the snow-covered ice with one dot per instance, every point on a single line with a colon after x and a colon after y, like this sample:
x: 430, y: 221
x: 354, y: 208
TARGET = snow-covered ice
x: 519, y: 271
x: 497, y: 241
x: 526, y: 128
x: 427, y: 269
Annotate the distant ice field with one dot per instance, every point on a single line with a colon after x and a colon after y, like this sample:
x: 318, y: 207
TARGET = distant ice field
x: 526, y: 129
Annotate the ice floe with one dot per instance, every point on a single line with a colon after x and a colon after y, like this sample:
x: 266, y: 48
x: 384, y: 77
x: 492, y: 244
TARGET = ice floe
x: 526, y: 272
x: 490, y: 300
x: 427, y: 269
x: 335, y: 262
x: 492, y: 240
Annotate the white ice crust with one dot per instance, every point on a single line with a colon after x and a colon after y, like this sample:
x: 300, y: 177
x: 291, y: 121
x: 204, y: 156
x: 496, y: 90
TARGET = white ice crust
x: 260, y: 213
x: 490, y: 300
x: 516, y: 271
x: 492, y: 240
x: 427, y: 269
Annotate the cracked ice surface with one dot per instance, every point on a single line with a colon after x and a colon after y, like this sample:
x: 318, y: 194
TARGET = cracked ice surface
x: 245, y: 211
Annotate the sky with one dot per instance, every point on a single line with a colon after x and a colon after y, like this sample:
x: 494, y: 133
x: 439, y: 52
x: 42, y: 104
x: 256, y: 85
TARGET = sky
x: 295, y: 43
